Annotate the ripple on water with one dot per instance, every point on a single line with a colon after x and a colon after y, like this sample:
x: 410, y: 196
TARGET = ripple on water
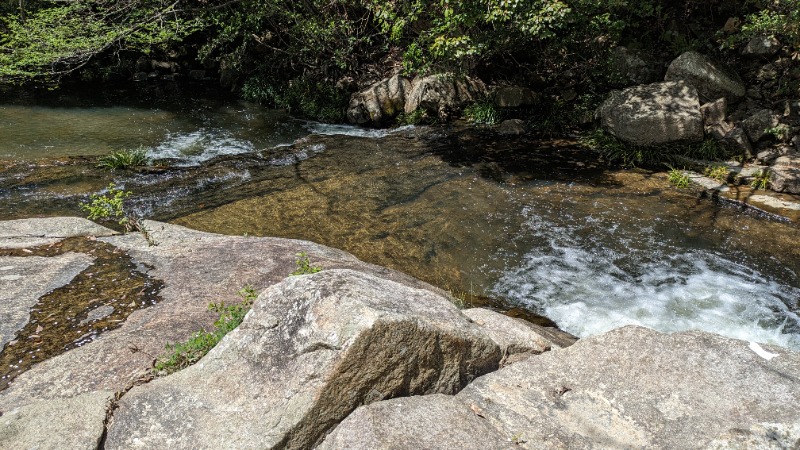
x: 590, y: 284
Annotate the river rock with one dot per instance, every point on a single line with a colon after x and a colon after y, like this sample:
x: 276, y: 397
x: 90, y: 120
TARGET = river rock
x: 380, y: 102
x: 785, y: 174
x: 761, y: 46
x: 757, y: 124
x: 422, y: 422
x: 511, y: 127
x: 443, y: 94
x: 633, y: 67
x: 624, y: 389
x: 653, y: 114
x: 514, y: 97
x: 197, y: 269
x: 75, y: 423
x: 712, y: 80
x: 312, y: 349
x: 518, y: 338
x: 25, y: 279
x: 35, y: 232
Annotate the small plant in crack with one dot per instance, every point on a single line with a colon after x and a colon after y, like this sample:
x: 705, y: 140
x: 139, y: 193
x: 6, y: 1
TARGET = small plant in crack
x: 303, y: 265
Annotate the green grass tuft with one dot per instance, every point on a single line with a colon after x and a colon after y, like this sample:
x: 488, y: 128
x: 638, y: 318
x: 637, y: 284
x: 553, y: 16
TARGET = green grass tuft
x: 482, y: 113
x: 678, y: 177
x: 125, y: 159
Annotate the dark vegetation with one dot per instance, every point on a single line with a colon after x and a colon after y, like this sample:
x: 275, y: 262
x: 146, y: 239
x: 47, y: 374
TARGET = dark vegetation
x: 309, y: 55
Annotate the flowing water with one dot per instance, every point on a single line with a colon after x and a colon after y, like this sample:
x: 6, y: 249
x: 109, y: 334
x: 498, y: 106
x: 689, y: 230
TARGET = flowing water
x: 539, y: 224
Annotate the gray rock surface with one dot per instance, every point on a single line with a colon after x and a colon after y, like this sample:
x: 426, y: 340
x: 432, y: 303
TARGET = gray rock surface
x: 197, y: 269
x: 653, y: 114
x: 712, y: 80
x: 518, y: 338
x: 312, y: 350
x: 443, y: 94
x: 75, y: 423
x: 24, y: 280
x: 785, y: 174
x: 511, y: 127
x: 714, y: 112
x: 422, y: 422
x: 35, y: 232
x: 633, y: 67
x: 514, y: 97
x: 637, y: 388
x: 756, y: 125
x: 761, y: 46
x: 380, y: 102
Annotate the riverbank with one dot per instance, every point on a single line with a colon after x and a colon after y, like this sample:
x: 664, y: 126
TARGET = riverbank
x: 320, y: 354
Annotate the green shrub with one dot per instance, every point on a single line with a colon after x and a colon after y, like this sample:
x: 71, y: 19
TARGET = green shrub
x: 717, y: 172
x: 482, y: 113
x: 108, y: 206
x: 125, y: 159
x: 183, y: 354
x: 761, y: 180
x: 304, y: 266
x: 679, y: 178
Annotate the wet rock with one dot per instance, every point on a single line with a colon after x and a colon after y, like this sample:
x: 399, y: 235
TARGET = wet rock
x: 429, y: 422
x: 633, y: 67
x: 75, y: 423
x: 98, y: 313
x: 197, y: 269
x: 785, y: 174
x: 23, y: 280
x: 623, y: 390
x: 511, y: 127
x: 380, y: 102
x: 515, y: 96
x: 312, y: 350
x: 653, y: 114
x: 711, y: 79
x: 518, y: 338
x: 761, y: 46
x: 756, y: 125
x: 197, y: 75
x: 441, y: 95
x: 35, y: 232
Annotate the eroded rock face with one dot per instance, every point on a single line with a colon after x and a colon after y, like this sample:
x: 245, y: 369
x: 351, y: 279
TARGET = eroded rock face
x: 711, y: 79
x: 653, y: 114
x: 380, y: 102
x: 312, y: 350
x: 785, y: 174
x: 637, y: 388
x: 442, y: 94
x: 756, y: 125
x: 34, y: 232
x: 629, y: 388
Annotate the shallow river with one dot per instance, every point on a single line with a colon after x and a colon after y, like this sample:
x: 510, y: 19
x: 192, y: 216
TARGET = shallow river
x: 537, y: 224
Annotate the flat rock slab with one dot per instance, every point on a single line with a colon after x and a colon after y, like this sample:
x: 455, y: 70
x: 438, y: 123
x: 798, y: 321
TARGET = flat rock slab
x: 637, y: 388
x: 197, y: 269
x: 312, y: 349
x: 421, y: 422
x: 24, y: 280
x: 76, y: 423
x: 25, y: 233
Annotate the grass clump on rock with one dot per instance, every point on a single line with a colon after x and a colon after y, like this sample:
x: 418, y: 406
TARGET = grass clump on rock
x: 125, y: 159
x: 183, y: 354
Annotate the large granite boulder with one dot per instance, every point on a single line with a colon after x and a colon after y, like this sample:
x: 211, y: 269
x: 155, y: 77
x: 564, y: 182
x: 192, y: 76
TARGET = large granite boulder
x: 757, y: 124
x: 629, y: 388
x: 380, y: 102
x: 196, y: 268
x: 653, y: 114
x: 312, y: 350
x: 441, y: 95
x: 785, y: 174
x: 712, y: 80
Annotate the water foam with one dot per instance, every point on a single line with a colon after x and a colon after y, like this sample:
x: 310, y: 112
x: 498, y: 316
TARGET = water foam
x: 327, y: 129
x: 192, y: 148
x: 589, y: 288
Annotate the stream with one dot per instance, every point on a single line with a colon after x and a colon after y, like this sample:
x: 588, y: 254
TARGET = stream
x: 518, y: 222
